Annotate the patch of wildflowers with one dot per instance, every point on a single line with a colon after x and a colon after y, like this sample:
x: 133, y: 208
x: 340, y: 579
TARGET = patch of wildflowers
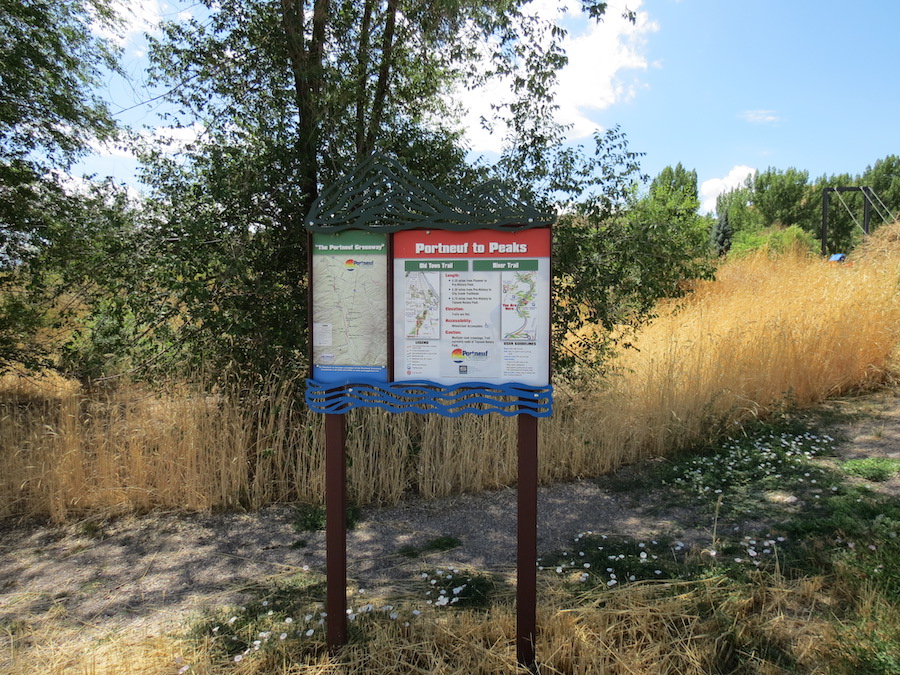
x: 457, y: 588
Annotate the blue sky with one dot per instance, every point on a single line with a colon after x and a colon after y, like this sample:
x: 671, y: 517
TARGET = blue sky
x: 783, y: 83
x: 722, y: 86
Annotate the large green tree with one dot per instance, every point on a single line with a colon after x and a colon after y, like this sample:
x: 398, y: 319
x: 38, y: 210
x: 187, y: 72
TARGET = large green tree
x: 51, y: 62
x: 289, y: 96
x: 884, y: 179
x: 672, y: 197
x: 784, y: 198
x: 738, y: 204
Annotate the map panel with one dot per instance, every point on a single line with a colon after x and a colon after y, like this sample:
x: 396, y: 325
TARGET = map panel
x: 422, y: 309
x: 350, y: 303
x: 472, y: 306
x: 518, y: 318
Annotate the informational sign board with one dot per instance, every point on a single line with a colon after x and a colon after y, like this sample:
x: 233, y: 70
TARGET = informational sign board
x: 349, y: 306
x: 433, y: 304
x: 472, y: 306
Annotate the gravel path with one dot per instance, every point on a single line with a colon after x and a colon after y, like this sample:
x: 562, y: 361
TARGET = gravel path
x: 147, y: 574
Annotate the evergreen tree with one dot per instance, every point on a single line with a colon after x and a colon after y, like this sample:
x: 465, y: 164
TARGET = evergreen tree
x: 720, y: 237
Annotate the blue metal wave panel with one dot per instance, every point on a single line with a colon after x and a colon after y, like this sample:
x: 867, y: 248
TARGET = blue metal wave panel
x: 421, y: 396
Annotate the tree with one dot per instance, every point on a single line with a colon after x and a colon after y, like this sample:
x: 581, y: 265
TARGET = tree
x: 677, y: 181
x: 743, y: 216
x: 721, y: 234
x: 672, y: 197
x: 50, y: 62
x: 884, y: 179
x: 289, y: 97
x: 784, y: 198
x: 615, y: 256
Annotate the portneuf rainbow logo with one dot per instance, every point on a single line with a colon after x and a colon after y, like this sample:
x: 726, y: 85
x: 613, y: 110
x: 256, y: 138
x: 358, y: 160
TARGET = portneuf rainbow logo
x: 350, y: 264
x: 459, y: 355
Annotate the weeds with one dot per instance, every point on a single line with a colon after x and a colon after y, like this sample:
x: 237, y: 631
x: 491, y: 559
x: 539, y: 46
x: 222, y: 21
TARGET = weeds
x: 311, y: 517
x: 875, y: 469
x: 815, y: 591
x: 812, y: 592
x: 754, y: 475
x: 458, y: 588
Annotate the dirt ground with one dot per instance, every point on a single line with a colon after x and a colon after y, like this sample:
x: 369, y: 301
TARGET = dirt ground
x: 147, y: 575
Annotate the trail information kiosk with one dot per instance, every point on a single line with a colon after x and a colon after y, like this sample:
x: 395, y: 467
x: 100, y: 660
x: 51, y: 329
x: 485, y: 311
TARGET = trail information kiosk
x: 428, y: 303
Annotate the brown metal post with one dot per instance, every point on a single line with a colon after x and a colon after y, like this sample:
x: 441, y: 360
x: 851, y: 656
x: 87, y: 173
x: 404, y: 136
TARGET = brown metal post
x: 336, y: 529
x: 526, y: 574
x: 826, y: 194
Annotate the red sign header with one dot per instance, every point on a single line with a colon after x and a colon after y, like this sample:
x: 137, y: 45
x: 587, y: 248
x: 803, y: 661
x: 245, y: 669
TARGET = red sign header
x: 532, y: 243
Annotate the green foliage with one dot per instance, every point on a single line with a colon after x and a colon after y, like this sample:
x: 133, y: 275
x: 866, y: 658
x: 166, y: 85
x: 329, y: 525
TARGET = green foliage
x: 738, y: 204
x: 733, y: 479
x: 775, y: 240
x: 773, y: 199
x: 833, y: 531
x: 50, y: 65
x: 232, y: 247
x: 875, y: 469
x: 283, y: 615
x: 311, y: 517
x: 784, y: 198
x: 875, y: 650
x: 286, y: 109
x: 884, y: 179
x: 458, y: 588
x: 606, y: 560
x: 615, y: 257
x: 74, y: 283
x: 675, y: 190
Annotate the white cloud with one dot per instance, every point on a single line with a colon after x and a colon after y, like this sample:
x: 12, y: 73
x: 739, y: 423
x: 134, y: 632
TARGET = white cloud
x: 137, y: 17
x: 110, y: 149
x: 176, y: 139
x: 712, y: 188
x: 599, y: 55
x: 173, y: 139
x: 594, y: 79
x: 759, y: 116
x: 82, y: 186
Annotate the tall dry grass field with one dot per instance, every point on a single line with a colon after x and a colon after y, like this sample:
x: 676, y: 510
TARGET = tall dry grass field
x: 769, y: 331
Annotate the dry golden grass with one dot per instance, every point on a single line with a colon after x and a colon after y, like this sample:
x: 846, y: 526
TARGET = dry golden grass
x: 769, y: 331
x: 687, y: 628
x: 791, y: 329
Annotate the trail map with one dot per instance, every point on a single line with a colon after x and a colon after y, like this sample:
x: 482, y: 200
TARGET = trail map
x: 422, y: 309
x: 349, y: 303
x: 519, y: 311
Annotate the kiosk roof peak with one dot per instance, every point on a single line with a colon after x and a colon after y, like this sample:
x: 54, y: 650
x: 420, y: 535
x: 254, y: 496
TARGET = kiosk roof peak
x: 380, y: 195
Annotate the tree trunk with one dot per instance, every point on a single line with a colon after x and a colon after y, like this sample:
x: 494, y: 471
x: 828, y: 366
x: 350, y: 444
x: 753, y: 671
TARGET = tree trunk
x: 384, y: 72
x: 362, y: 76
x: 306, y: 66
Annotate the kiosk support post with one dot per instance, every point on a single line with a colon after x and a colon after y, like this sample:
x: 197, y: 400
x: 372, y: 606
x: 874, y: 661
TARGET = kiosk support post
x: 526, y: 574
x: 336, y: 529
